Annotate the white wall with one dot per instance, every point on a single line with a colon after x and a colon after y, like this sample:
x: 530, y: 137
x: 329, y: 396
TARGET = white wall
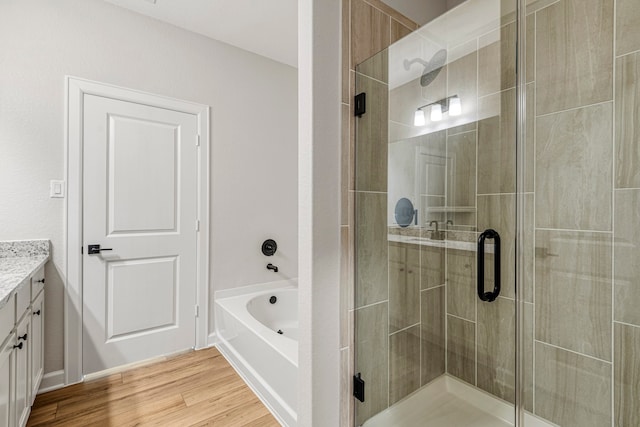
x: 253, y: 121
x: 319, y: 195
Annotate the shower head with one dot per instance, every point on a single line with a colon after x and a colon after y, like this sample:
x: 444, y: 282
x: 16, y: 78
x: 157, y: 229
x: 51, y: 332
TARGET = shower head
x: 431, y: 68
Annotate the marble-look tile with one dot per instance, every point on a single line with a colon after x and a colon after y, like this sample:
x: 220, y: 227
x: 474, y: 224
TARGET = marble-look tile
x: 573, y: 291
x: 535, y: 5
x: 529, y: 246
x: 404, y: 287
x: 462, y: 80
x: 468, y: 127
x: 573, y: 169
x: 371, y: 249
x: 530, y: 48
x: 345, y: 151
x: 497, y: 144
x: 496, y: 348
x: 404, y: 363
x: 346, y: 383
x: 461, y: 169
x: 627, y: 117
x: 461, y: 284
x: 431, y: 267
x: 372, y: 143
x: 574, y: 54
x: 398, y: 30
x: 527, y: 386
x: 461, y: 349
x: 372, y: 359
x: 627, y: 26
x: 346, y: 286
x: 627, y: 254
x: 369, y: 31
x: 432, y: 324
x: 499, y: 213
x: 627, y: 375
x: 497, y: 60
x: 393, y: 13
x: 376, y: 67
x: 572, y: 390
x: 530, y: 139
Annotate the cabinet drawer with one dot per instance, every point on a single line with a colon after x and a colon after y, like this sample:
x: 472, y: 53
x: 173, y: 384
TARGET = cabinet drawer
x: 23, y: 299
x: 37, y: 283
x: 7, y: 318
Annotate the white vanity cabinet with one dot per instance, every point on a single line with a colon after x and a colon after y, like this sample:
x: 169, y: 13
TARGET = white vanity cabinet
x: 21, y: 350
x: 22, y: 370
x: 37, y: 344
x: 7, y: 381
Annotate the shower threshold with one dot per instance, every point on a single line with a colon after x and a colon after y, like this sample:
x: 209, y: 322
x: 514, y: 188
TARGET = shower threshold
x: 449, y: 402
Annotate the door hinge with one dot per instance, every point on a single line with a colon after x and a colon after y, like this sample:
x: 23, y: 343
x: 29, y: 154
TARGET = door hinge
x: 197, y: 225
x: 358, y: 387
x: 197, y: 311
x: 360, y: 104
x: 197, y: 140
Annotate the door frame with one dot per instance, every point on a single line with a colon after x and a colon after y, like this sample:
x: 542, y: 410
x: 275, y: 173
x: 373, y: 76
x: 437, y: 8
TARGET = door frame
x: 75, y: 89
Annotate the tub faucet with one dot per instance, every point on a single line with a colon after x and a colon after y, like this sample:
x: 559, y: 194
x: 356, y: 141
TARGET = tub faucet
x: 272, y: 267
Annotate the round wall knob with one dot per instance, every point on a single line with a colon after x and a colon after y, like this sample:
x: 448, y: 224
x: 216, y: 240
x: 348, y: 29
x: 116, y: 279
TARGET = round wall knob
x: 269, y: 247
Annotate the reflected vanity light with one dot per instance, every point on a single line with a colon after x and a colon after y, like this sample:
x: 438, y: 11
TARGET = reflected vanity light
x: 455, y: 106
x: 452, y: 105
x: 436, y: 112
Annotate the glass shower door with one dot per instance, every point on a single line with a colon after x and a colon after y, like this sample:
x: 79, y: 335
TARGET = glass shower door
x: 435, y: 224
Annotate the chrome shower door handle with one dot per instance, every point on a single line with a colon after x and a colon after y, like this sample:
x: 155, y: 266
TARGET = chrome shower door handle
x: 489, y: 296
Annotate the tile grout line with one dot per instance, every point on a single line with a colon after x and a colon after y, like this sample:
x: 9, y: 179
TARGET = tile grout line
x: 574, y: 352
x: 626, y: 324
x: 534, y: 232
x: 613, y: 222
x: 581, y: 107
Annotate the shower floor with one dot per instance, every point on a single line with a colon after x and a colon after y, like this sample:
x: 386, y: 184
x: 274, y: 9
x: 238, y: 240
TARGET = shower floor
x: 448, y: 402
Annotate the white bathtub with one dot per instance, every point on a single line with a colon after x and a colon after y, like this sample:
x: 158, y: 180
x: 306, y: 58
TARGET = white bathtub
x: 260, y: 340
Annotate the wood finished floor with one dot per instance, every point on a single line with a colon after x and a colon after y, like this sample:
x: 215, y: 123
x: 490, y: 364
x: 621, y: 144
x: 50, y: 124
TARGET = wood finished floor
x: 198, y: 388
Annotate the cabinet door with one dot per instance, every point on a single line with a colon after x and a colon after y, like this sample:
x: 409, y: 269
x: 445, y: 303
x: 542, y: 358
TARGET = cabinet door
x: 23, y: 371
x: 7, y: 382
x: 37, y: 344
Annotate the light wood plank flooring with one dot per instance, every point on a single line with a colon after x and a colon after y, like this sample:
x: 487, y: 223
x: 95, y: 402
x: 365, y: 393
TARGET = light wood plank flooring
x: 198, y: 388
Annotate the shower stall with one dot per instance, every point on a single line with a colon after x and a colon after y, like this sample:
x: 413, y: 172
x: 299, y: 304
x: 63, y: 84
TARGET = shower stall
x: 497, y: 219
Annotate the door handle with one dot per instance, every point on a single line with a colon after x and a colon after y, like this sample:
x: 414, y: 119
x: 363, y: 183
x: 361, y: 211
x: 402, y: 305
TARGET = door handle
x: 95, y: 249
x: 489, y: 296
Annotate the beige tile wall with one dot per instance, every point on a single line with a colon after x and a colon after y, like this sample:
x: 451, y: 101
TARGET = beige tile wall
x: 369, y: 27
x: 582, y: 327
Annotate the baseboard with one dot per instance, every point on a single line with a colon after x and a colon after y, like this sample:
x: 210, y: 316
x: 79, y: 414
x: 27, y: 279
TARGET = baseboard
x: 212, y: 340
x: 52, y: 381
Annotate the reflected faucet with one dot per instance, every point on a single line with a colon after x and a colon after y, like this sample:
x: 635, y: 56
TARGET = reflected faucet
x: 436, y: 234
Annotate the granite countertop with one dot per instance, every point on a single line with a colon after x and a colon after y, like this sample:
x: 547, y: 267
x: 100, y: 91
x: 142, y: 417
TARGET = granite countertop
x: 19, y: 260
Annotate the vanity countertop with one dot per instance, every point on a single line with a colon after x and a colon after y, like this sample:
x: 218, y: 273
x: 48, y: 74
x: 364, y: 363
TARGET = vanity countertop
x: 19, y: 260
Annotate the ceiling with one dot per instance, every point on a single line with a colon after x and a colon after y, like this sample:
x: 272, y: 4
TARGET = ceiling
x: 266, y: 27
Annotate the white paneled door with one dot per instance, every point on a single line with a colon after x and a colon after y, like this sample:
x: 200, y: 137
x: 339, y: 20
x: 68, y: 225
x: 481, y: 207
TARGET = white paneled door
x: 140, y: 207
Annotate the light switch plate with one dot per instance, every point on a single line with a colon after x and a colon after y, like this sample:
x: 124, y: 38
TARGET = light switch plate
x: 56, y: 189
